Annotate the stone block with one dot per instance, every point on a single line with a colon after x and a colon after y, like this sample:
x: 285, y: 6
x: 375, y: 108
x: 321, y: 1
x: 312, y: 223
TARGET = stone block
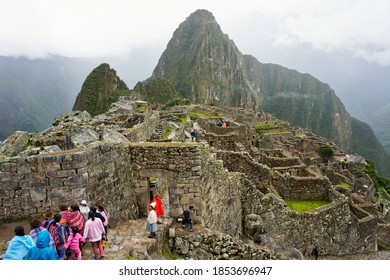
x: 78, y: 179
x: 66, y: 173
x: 38, y: 194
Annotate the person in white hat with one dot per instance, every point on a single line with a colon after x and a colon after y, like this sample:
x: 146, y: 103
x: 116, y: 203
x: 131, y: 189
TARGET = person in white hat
x: 84, y: 209
x: 151, y: 225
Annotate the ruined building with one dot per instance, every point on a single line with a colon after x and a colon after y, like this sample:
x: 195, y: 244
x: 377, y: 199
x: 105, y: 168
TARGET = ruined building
x: 239, y: 175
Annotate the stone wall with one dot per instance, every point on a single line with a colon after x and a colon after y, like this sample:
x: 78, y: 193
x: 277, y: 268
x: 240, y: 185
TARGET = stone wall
x: 384, y: 236
x: 142, y: 132
x: 179, y: 162
x: 31, y: 185
x: 333, y: 227
x: 302, y: 188
x: 277, y: 161
x: 211, y: 245
x: 221, y: 195
x: 242, y: 162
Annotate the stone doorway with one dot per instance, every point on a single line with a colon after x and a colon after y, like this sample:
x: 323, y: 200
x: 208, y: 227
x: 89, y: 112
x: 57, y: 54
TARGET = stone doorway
x: 155, y: 181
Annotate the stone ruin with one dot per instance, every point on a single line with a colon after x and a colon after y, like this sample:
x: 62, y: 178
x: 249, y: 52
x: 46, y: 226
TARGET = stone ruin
x: 237, y: 177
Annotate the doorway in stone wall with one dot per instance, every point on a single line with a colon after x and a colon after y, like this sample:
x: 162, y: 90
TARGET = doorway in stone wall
x: 157, y: 181
x: 160, y: 185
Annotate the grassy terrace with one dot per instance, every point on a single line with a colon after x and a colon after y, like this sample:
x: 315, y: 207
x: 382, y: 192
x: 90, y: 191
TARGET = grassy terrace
x: 269, y: 128
x: 204, y: 115
x: 305, y: 205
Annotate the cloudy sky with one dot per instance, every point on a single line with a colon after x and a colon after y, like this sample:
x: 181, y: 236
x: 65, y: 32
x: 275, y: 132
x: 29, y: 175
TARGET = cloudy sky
x: 91, y: 28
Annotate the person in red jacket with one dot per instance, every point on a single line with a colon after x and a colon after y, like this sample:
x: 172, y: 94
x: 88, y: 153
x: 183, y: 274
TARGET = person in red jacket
x: 159, y: 208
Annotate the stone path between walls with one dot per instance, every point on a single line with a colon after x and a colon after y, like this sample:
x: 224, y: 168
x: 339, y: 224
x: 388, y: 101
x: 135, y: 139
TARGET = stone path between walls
x: 130, y: 238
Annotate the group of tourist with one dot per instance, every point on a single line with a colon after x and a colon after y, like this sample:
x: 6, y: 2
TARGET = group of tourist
x: 61, y: 235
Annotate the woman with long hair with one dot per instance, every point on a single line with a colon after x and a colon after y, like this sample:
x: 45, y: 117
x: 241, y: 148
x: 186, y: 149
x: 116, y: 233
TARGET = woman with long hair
x: 93, y: 231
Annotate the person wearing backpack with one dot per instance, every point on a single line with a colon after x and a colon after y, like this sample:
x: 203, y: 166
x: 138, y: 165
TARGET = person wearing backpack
x: 59, y: 233
x: 93, y: 231
x: 187, y: 220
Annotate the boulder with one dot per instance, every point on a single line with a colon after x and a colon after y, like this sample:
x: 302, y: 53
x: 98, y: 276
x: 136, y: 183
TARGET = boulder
x: 14, y: 144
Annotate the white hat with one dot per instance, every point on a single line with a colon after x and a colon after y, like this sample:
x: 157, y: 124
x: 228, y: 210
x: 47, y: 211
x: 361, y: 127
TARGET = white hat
x: 84, y: 202
x: 153, y: 204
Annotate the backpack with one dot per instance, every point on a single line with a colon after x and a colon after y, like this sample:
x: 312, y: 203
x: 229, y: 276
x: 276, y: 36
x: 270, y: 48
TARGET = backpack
x: 59, y: 234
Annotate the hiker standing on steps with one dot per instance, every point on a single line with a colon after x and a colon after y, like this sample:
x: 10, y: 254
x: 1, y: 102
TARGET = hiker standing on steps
x: 151, y: 226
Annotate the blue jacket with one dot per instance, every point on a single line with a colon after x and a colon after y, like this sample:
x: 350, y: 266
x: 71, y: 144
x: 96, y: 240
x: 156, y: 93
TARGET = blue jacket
x: 42, y: 251
x: 18, y: 247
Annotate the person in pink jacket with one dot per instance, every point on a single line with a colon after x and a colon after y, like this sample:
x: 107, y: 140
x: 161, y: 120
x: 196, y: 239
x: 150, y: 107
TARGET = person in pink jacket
x: 93, y: 231
x: 74, y: 243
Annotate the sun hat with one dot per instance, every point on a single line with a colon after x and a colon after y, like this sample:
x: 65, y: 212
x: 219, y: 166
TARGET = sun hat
x: 153, y: 204
x: 83, y: 202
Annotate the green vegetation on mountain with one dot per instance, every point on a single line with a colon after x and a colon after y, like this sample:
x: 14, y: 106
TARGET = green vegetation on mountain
x: 205, y: 66
x: 101, y: 88
x: 156, y: 90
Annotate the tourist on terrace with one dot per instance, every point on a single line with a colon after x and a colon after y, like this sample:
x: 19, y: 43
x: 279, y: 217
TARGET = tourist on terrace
x: 36, y: 229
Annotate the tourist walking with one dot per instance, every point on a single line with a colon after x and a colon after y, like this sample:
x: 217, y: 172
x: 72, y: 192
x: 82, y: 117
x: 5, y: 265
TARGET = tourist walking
x: 76, y: 219
x: 59, y: 233
x: 187, y: 220
x: 84, y: 209
x: 42, y: 250
x: 315, y: 252
x: 97, y: 214
x: 19, y: 245
x: 73, y: 243
x: 151, y: 225
x: 36, y: 229
x: 101, y: 211
x: 93, y: 231
x: 159, y: 208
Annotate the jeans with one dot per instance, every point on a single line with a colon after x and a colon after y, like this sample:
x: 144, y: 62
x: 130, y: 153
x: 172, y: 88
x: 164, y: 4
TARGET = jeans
x: 61, y: 253
x: 188, y: 224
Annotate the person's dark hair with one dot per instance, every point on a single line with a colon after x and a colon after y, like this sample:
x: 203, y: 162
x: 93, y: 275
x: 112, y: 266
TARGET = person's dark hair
x: 75, y: 230
x: 75, y: 208
x: 101, y: 208
x: 57, y: 217
x: 191, y: 207
x: 93, y: 209
x: 91, y: 215
x: 19, y: 231
x: 35, y: 223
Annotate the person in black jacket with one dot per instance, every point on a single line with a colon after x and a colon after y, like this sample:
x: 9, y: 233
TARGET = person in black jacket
x: 97, y: 214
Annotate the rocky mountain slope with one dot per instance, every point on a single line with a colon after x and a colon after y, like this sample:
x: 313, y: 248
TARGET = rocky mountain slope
x: 205, y: 66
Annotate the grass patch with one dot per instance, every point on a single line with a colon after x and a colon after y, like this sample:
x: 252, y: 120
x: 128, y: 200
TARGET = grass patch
x: 141, y: 107
x: 346, y: 185
x: 167, y: 133
x: 204, y: 115
x: 305, y: 205
x: 301, y: 135
x: 129, y: 257
x: 167, y: 254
